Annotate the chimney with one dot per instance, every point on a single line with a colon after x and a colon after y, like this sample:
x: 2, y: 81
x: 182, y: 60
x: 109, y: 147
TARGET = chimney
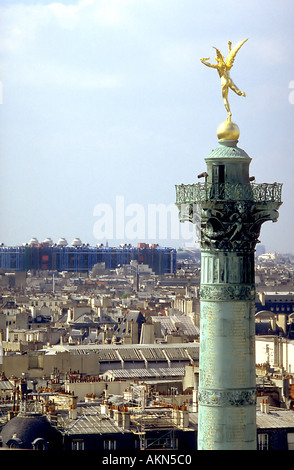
x: 121, y: 416
x: 117, y: 416
x: 126, y: 419
x: 264, y: 406
x: 184, y: 417
x: 104, y: 408
x: 73, y: 412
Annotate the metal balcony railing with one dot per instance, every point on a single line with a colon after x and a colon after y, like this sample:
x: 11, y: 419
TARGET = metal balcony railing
x: 202, y: 192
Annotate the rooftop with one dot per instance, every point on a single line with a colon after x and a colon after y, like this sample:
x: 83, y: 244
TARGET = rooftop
x: 275, y: 418
x: 88, y: 422
x: 110, y: 351
x: 139, y: 374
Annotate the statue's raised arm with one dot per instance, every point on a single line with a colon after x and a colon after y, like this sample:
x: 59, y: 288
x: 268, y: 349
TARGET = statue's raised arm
x: 204, y: 61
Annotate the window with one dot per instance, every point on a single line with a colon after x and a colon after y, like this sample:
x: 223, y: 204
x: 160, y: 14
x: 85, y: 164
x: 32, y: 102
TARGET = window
x: 262, y: 442
x: 77, y: 444
x: 14, y: 443
x: 290, y: 439
x: 109, y: 444
x: 218, y: 180
x: 162, y: 443
x: 218, y: 174
x: 40, y: 444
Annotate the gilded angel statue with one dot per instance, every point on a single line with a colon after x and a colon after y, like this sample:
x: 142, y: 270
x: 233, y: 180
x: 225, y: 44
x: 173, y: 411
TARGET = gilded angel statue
x: 223, y: 67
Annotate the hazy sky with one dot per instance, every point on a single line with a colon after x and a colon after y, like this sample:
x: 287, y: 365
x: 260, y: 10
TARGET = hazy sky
x: 106, y: 106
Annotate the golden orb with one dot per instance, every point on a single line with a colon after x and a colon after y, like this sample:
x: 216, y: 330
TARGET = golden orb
x: 228, y: 131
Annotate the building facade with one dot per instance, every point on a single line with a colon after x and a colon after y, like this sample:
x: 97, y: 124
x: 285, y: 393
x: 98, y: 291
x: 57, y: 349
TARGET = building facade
x: 82, y: 258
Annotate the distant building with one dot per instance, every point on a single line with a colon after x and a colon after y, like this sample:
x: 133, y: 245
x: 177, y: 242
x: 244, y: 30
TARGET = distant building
x: 129, y: 330
x: 82, y: 258
x: 30, y: 430
x: 96, y: 359
x: 279, y: 307
x: 119, y: 427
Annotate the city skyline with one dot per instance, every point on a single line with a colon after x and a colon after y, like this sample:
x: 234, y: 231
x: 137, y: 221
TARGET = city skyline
x: 106, y: 106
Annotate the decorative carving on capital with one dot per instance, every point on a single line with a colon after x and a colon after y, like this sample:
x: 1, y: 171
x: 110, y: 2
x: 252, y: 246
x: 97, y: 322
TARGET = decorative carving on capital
x: 234, y: 226
x: 227, y: 397
x: 226, y: 293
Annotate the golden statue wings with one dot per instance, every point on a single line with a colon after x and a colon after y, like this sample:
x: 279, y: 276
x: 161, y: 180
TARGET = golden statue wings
x: 223, y: 67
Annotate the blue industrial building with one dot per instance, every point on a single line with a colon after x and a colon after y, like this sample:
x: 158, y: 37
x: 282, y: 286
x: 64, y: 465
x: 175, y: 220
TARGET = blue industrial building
x: 82, y: 258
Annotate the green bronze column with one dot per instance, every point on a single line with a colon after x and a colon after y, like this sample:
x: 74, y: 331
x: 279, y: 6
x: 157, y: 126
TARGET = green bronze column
x: 227, y: 389
x: 231, y: 210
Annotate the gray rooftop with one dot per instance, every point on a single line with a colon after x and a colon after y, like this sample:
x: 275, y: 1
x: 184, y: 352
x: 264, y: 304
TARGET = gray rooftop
x: 276, y: 418
x: 160, y: 373
x: 90, y: 421
x: 114, y: 352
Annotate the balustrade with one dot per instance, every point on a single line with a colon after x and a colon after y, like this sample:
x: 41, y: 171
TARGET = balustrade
x: 201, y: 192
